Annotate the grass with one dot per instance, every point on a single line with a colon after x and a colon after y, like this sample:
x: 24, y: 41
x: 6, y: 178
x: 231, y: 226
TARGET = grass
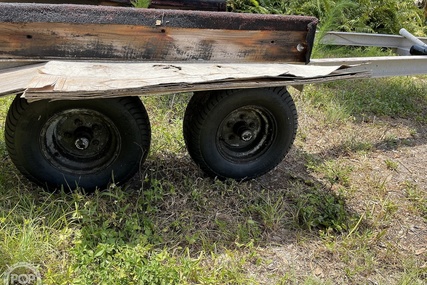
x: 347, y: 206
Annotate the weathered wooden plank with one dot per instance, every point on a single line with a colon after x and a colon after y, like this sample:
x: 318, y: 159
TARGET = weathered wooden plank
x: 36, y: 95
x: 85, y: 80
x: 7, y: 64
x: 124, y: 42
x: 80, y: 2
x: 14, y: 79
x: 202, y: 5
x: 32, y: 31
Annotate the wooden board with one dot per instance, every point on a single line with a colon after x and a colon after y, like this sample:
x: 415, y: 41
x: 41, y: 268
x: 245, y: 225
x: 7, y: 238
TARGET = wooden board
x: 86, y: 80
x: 14, y: 79
x: 202, y: 5
x: 42, y: 31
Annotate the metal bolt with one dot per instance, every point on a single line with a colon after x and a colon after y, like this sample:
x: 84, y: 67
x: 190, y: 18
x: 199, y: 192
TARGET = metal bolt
x: 246, y: 136
x: 300, y: 47
x: 82, y: 143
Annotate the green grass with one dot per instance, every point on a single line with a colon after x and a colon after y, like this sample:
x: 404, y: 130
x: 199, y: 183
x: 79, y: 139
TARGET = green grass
x: 347, y: 206
x: 172, y: 225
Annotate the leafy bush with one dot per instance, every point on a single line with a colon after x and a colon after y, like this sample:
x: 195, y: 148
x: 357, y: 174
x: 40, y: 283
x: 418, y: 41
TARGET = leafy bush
x: 374, y: 16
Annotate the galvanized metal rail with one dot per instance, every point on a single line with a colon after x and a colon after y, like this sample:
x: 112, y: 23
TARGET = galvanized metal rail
x: 377, y: 66
x: 380, y: 66
x: 397, y: 42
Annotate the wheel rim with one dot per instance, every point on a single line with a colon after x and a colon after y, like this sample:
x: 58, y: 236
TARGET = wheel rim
x: 80, y: 141
x: 246, y: 134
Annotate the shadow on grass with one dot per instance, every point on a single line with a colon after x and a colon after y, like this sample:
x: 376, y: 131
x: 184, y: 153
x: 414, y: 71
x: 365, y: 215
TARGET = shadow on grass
x: 171, y: 203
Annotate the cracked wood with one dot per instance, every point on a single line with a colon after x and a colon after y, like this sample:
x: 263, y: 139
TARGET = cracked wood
x: 43, y: 31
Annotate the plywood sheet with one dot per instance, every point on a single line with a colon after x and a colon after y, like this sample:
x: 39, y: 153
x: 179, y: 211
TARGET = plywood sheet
x: 85, y: 80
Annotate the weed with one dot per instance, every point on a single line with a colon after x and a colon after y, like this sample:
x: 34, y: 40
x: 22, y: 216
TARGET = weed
x: 357, y: 145
x: 334, y: 172
x: 272, y: 211
x: 391, y: 164
x: 318, y: 209
x: 417, y: 197
x: 141, y: 3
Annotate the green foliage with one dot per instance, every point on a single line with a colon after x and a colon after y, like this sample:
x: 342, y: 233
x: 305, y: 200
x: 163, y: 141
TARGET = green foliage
x: 322, y: 211
x: 377, y: 16
x: 141, y: 3
x: 115, y: 264
x: 271, y: 210
x: 391, y: 164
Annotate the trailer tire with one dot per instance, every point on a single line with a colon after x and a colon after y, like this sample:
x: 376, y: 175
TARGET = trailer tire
x: 240, y: 134
x: 86, y: 143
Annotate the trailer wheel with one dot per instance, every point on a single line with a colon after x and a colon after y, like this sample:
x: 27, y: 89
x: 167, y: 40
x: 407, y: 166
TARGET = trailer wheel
x: 240, y: 134
x: 86, y: 143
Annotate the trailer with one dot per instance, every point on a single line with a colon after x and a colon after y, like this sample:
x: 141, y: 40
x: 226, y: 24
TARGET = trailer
x: 78, y: 72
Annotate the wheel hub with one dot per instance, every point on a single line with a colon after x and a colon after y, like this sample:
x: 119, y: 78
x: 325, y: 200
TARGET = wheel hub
x: 80, y: 140
x: 246, y: 133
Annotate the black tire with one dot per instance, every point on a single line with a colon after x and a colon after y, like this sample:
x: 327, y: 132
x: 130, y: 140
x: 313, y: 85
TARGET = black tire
x: 86, y: 143
x: 240, y: 134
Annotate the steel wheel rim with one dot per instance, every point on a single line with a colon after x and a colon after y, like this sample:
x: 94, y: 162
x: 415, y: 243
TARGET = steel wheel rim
x: 246, y: 134
x: 80, y: 141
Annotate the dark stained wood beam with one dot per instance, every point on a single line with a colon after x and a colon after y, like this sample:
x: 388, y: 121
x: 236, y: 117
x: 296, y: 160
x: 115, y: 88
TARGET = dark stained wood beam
x: 79, y: 2
x: 201, y: 5
x: 43, y: 31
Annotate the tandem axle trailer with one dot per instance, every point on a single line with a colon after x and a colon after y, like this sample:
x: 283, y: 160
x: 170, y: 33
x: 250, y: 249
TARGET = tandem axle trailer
x: 78, y: 71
